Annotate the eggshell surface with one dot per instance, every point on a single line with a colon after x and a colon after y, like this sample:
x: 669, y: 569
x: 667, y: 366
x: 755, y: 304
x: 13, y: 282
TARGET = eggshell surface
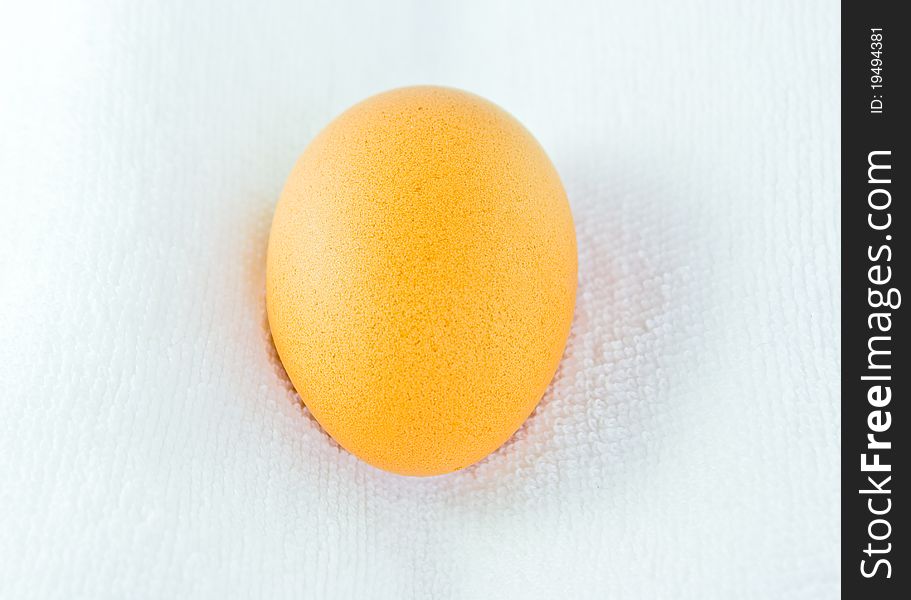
x: 421, y: 278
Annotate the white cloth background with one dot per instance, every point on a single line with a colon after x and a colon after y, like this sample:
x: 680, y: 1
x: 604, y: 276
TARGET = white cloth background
x: 150, y: 445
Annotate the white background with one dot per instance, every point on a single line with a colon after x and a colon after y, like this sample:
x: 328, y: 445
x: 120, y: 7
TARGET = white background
x: 150, y: 445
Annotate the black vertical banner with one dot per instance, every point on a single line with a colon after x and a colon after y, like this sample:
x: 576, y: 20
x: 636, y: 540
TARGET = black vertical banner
x: 876, y: 375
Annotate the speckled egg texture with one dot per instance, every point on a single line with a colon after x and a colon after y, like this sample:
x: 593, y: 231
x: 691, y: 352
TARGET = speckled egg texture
x: 421, y: 278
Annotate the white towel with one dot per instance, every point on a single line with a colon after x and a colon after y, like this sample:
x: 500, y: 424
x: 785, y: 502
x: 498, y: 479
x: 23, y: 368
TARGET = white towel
x: 150, y: 446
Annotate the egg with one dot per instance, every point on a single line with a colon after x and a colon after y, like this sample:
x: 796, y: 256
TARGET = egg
x: 421, y: 278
